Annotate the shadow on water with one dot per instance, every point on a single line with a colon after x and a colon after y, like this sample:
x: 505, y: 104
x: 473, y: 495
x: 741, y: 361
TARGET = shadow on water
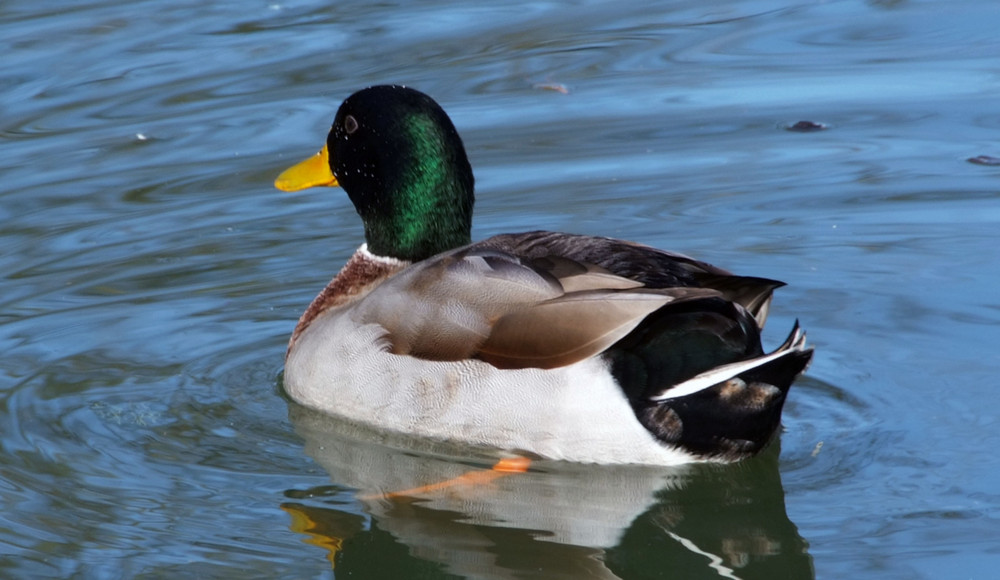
x: 555, y: 521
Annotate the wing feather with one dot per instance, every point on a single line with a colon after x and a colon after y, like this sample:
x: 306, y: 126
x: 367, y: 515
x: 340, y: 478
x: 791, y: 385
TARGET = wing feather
x: 513, y: 312
x: 573, y: 327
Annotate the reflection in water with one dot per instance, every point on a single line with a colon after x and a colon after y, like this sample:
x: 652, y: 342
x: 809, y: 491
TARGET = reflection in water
x: 555, y: 521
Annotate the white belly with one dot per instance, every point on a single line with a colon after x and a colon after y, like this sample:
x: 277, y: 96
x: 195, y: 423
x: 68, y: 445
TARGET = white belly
x: 576, y: 413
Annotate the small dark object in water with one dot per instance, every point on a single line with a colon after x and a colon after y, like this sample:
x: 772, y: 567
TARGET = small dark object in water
x: 556, y: 87
x: 807, y: 127
x: 984, y: 160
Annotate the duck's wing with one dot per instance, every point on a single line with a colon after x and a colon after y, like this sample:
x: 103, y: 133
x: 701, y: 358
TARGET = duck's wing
x: 509, y: 310
x: 648, y: 266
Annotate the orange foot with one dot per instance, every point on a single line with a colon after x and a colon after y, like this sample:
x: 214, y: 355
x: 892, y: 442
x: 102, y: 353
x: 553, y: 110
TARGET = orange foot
x: 503, y: 468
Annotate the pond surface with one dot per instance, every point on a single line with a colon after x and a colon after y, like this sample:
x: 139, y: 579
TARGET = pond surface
x: 152, y: 276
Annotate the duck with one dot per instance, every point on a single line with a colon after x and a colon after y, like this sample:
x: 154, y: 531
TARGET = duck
x: 546, y: 345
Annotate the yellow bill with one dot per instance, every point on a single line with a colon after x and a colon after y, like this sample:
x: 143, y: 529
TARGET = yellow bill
x: 312, y: 172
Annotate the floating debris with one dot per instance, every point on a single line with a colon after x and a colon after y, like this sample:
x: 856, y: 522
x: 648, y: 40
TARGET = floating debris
x: 557, y: 87
x: 985, y: 160
x: 807, y: 127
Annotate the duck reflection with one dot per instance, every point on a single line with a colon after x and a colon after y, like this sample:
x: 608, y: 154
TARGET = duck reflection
x: 401, y: 512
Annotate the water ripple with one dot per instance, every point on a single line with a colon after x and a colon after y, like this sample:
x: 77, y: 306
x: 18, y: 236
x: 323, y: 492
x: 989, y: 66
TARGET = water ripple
x: 152, y: 276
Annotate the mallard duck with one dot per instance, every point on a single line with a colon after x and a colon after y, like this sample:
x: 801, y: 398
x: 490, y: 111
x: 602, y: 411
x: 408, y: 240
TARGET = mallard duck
x: 540, y: 344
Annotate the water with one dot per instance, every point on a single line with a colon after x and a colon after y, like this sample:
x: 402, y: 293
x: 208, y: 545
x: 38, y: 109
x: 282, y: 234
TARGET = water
x: 151, y: 277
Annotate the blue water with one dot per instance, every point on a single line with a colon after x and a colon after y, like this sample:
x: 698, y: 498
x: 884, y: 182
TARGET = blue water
x: 152, y: 275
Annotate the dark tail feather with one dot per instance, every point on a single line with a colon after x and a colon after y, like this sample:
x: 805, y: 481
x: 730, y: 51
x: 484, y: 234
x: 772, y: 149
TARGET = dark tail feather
x: 735, y: 417
x: 750, y: 292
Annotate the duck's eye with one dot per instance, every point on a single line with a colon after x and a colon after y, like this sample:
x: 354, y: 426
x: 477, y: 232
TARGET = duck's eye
x: 350, y: 124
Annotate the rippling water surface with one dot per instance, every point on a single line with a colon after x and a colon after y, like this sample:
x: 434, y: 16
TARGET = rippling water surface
x: 151, y: 277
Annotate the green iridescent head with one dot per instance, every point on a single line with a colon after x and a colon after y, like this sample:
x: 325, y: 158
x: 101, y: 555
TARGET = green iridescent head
x: 400, y: 160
